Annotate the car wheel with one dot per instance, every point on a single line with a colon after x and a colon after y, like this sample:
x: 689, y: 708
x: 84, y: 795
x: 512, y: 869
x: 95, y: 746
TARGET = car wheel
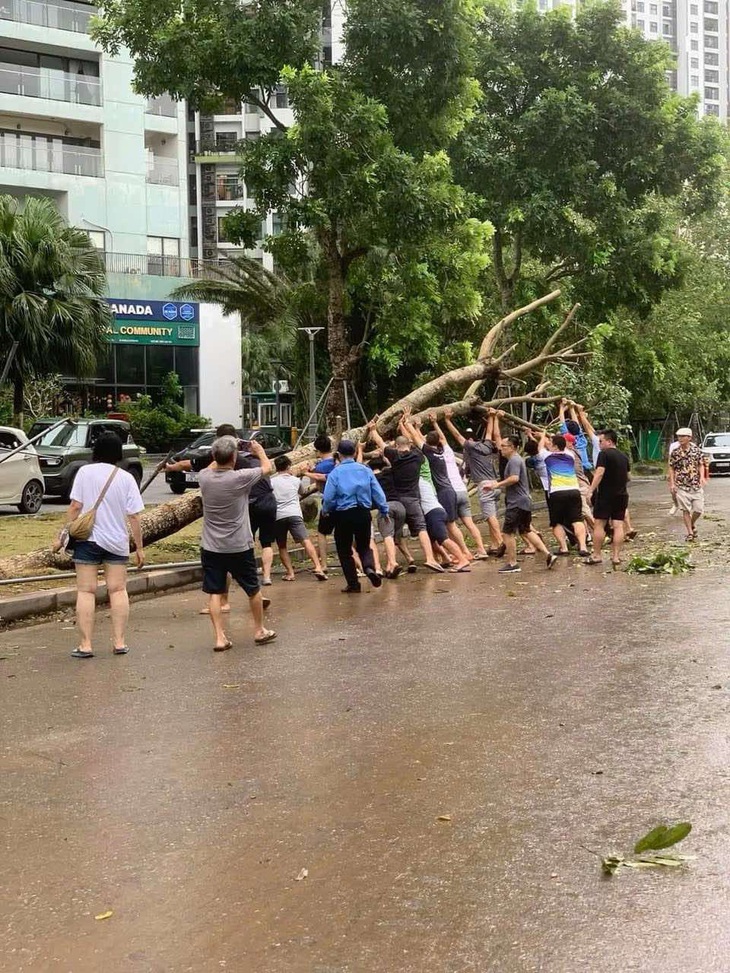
x: 177, y: 488
x: 31, y: 499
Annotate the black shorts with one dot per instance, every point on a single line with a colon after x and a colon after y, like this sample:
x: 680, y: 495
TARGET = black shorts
x: 436, y: 525
x: 414, y: 514
x: 565, y: 508
x: 611, y: 507
x: 325, y: 524
x: 447, y: 499
x: 241, y: 565
x: 517, y: 521
x: 263, y: 521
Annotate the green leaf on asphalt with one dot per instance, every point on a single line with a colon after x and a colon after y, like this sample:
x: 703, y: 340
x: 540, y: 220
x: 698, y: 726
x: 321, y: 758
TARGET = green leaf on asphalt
x: 663, y: 836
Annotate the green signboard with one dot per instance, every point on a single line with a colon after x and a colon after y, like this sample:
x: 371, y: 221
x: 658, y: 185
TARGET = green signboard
x: 154, y: 323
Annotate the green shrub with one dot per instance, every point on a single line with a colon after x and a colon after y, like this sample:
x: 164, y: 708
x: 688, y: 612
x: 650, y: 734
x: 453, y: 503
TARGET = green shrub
x: 157, y: 427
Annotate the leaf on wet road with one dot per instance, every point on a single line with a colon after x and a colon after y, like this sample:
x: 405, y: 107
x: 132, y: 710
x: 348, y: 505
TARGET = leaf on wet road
x: 104, y: 915
x: 302, y: 875
x: 231, y: 685
x: 444, y: 817
x: 663, y: 836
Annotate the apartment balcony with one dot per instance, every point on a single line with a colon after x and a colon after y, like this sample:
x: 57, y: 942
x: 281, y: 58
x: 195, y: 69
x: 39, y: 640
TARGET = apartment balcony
x: 164, y: 105
x: 49, y: 84
x: 163, y: 172
x: 50, y: 156
x: 72, y: 17
x: 215, y: 150
x: 156, y: 265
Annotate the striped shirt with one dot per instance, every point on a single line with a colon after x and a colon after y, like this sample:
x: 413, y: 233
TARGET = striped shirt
x: 560, y: 470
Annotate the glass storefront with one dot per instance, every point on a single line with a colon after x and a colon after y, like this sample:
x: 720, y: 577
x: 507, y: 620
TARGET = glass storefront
x: 147, y: 340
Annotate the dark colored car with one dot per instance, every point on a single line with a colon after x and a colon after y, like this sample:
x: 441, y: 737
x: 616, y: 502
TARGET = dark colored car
x: 178, y: 482
x: 63, y: 451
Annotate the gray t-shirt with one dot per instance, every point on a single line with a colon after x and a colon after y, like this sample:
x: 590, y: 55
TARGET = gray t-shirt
x: 518, y: 494
x: 226, y: 526
x: 481, y: 459
x: 286, y: 490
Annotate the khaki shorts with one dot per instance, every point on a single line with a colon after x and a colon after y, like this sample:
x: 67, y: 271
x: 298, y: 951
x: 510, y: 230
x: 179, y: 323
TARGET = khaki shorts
x: 691, y: 501
x: 488, y: 500
x: 585, y: 504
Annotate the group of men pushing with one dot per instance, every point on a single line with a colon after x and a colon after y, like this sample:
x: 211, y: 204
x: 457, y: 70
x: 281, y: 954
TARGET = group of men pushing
x: 414, y: 480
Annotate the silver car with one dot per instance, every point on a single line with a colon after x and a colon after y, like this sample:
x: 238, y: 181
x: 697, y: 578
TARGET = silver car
x: 716, y: 447
x: 21, y: 480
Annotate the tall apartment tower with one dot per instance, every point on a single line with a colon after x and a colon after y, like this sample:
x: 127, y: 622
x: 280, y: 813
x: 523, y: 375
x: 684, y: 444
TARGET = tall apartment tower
x: 72, y: 128
x: 215, y: 186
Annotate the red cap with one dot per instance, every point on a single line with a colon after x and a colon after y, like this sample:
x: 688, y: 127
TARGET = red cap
x: 569, y: 438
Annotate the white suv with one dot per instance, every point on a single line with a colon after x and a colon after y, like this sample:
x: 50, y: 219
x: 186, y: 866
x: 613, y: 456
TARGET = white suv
x: 716, y: 447
x: 21, y: 480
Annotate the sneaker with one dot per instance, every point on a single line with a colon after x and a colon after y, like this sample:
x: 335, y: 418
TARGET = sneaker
x: 510, y: 569
x: 551, y: 560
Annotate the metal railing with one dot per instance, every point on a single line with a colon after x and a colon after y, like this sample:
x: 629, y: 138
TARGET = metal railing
x: 42, y: 155
x: 49, y: 83
x: 215, y: 147
x: 163, y: 105
x: 228, y: 191
x: 74, y: 17
x: 159, y: 266
x: 163, y: 172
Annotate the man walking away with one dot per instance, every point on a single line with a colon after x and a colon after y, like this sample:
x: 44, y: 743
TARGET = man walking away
x: 688, y: 474
x: 226, y: 546
x: 518, y: 508
x: 611, y: 497
x: 350, y: 493
x: 481, y: 459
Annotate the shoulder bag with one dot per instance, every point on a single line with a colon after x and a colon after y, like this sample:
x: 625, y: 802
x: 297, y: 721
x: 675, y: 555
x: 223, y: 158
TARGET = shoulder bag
x: 81, y: 528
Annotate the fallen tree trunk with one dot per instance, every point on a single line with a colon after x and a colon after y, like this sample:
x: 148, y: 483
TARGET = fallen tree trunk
x: 170, y: 517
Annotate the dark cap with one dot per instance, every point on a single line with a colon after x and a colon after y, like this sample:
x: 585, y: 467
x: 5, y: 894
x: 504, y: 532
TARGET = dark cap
x: 346, y: 447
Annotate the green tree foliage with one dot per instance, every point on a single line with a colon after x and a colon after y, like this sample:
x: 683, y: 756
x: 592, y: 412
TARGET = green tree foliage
x: 416, y: 57
x: 576, y: 142
x: 156, y: 427
x: 51, y: 286
x: 206, y: 50
x: 383, y: 220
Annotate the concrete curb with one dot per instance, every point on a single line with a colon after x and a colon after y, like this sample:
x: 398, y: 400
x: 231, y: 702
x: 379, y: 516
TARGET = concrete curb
x: 151, y: 582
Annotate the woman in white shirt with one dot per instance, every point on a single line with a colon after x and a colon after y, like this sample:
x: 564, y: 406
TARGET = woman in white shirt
x: 109, y: 540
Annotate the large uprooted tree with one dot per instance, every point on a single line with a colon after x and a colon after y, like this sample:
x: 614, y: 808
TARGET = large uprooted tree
x: 457, y: 390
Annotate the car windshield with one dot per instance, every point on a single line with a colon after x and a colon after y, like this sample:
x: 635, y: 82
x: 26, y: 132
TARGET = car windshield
x: 718, y: 439
x: 205, y: 440
x: 64, y: 436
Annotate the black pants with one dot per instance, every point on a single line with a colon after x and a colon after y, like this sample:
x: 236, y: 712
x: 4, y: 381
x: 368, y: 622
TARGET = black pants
x: 353, y: 525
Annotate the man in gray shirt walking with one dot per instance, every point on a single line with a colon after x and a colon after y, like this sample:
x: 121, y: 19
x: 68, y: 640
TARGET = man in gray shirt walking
x: 518, y: 504
x: 226, y: 546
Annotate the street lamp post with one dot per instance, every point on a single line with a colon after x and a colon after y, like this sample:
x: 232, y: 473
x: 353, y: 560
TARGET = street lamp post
x: 277, y: 365
x: 311, y: 333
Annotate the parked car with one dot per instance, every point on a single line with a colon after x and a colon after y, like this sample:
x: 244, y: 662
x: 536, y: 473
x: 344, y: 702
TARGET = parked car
x: 21, y: 480
x: 65, y: 450
x: 179, y: 482
x: 716, y: 447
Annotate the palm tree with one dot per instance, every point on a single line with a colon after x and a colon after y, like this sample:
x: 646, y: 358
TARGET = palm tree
x: 271, y: 308
x: 51, y: 285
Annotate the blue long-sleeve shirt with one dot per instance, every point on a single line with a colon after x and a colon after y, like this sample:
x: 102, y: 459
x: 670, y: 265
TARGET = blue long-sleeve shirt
x: 581, y: 446
x: 351, y: 485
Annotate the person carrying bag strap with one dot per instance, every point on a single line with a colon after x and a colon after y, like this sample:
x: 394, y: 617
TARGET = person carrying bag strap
x: 81, y: 528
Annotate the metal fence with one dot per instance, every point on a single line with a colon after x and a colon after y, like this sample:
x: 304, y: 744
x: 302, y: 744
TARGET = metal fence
x: 71, y: 17
x: 159, y: 266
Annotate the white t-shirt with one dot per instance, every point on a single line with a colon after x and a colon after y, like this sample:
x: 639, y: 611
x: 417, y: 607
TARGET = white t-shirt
x: 452, y: 468
x: 286, y: 490
x: 122, y: 498
x: 429, y: 500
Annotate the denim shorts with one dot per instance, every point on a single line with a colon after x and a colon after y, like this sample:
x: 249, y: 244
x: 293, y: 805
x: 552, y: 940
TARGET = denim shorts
x: 87, y: 552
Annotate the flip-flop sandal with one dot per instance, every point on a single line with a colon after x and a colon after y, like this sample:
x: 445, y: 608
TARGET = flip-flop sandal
x: 529, y: 553
x: 412, y: 568
x: 321, y: 576
x: 464, y: 569
x: 81, y: 654
x: 287, y: 579
x: 392, y: 575
x: 563, y: 553
x: 223, y: 648
x: 481, y: 557
x: 269, y: 637
x: 436, y: 568
x: 592, y: 561
x: 206, y: 611
x: 122, y: 651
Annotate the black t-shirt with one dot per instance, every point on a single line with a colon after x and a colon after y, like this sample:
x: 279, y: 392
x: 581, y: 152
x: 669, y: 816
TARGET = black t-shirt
x: 437, y: 462
x: 616, y: 476
x: 406, y: 471
x: 385, y: 479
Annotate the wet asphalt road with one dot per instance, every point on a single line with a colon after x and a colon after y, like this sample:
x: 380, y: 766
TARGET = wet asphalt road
x: 544, y: 713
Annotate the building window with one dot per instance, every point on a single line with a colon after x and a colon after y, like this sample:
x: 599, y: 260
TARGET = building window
x: 667, y: 29
x: 712, y: 58
x: 695, y: 81
x: 653, y: 9
x: 667, y: 10
x: 228, y: 186
x: 711, y: 7
x: 694, y: 9
x: 712, y: 77
x: 192, y: 189
x: 163, y: 256
x: 712, y: 110
x: 222, y: 238
x: 640, y: 7
x: 694, y: 46
x: 226, y: 141
x: 654, y: 27
x: 640, y: 24
x: 694, y: 28
x: 282, y: 96
x: 97, y: 238
x: 710, y: 24
x: 278, y: 223
x: 711, y: 41
x: 694, y: 63
x: 712, y: 94
x: 194, y: 232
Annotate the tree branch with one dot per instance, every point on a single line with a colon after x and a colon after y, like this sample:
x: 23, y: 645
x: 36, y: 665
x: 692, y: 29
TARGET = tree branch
x: 251, y: 99
x: 550, y: 343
